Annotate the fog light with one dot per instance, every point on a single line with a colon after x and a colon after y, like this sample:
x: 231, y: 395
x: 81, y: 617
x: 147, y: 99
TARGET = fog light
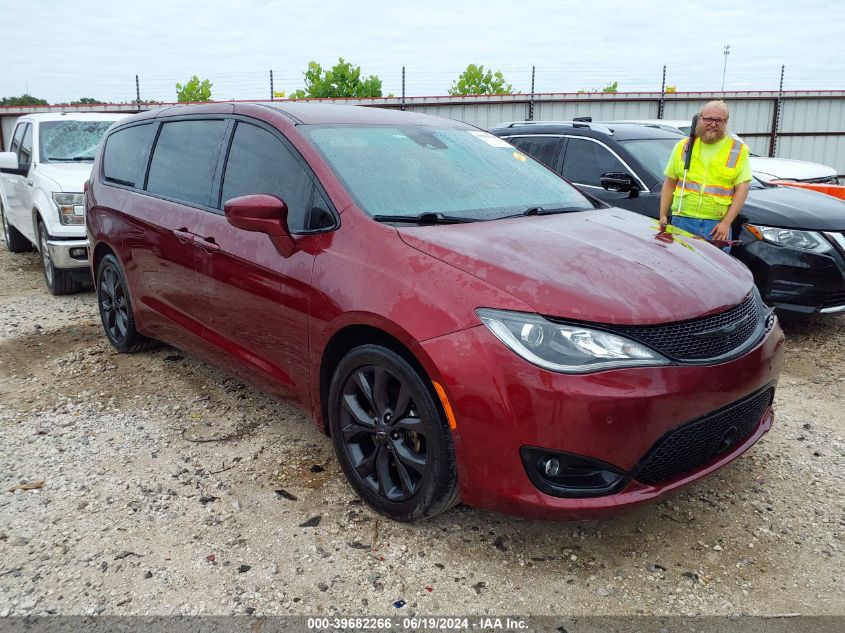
x: 567, y: 475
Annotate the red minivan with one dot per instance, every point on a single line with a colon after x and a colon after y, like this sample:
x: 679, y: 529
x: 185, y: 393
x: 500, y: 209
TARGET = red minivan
x: 461, y: 321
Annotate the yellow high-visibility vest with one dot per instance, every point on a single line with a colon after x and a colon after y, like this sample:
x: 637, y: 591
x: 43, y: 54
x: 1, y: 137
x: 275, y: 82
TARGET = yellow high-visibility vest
x: 708, y: 192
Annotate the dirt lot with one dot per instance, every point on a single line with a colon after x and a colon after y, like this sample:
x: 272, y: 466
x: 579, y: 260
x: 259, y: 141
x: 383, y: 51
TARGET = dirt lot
x: 170, y: 488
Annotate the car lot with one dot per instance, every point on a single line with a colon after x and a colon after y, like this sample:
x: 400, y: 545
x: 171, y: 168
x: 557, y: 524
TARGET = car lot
x: 160, y: 476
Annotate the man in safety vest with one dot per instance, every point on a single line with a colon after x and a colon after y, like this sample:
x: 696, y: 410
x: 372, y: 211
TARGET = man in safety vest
x: 717, y: 183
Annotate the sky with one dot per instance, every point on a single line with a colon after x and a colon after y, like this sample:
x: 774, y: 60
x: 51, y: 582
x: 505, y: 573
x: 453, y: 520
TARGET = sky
x: 62, y: 50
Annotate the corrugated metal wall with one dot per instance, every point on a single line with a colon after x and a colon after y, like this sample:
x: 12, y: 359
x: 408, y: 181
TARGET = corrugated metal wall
x: 811, y: 126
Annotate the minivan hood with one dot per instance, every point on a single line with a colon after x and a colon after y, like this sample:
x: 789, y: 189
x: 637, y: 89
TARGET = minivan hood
x: 792, y: 208
x: 789, y: 169
x: 70, y: 176
x: 602, y: 266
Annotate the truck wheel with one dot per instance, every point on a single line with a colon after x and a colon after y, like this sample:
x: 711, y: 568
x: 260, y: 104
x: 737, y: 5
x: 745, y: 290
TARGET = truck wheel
x: 59, y: 281
x: 390, y: 437
x: 14, y: 239
x: 116, y: 309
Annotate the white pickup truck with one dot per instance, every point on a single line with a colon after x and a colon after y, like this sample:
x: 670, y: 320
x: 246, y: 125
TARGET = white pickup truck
x: 41, y: 179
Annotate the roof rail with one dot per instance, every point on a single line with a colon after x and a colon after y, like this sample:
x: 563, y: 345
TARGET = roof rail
x: 597, y: 127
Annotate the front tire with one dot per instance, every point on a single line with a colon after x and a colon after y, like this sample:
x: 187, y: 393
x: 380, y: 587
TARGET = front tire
x: 14, y: 239
x: 116, y: 309
x: 390, y: 437
x: 59, y: 281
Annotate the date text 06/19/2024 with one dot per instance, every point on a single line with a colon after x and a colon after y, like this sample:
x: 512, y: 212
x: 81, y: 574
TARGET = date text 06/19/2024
x: 417, y: 623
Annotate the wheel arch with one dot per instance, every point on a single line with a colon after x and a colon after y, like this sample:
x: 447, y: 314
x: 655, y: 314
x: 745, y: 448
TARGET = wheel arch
x: 101, y: 250
x: 355, y: 335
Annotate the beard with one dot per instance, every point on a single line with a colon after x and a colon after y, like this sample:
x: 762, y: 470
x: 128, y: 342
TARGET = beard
x: 710, y: 136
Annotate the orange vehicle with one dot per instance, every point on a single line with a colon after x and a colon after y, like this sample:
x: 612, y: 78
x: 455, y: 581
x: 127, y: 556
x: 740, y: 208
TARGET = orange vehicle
x: 837, y: 191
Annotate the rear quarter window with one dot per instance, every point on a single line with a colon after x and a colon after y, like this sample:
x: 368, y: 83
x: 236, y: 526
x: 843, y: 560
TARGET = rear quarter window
x: 543, y: 148
x: 125, y: 155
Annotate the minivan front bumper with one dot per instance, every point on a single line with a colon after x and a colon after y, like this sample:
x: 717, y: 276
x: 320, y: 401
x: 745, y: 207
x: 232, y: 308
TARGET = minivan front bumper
x: 502, y: 405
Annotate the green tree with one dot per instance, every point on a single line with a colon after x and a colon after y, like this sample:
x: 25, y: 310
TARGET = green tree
x: 194, y: 90
x: 475, y: 81
x: 611, y: 87
x: 23, y: 100
x: 86, y: 101
x: 343, y: 80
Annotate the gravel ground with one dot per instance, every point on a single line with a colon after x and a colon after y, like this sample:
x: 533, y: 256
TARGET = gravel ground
x: 171, y: 488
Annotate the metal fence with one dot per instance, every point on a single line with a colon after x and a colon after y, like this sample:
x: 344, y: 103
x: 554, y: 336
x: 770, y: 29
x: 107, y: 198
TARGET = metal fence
x: 803, y: 125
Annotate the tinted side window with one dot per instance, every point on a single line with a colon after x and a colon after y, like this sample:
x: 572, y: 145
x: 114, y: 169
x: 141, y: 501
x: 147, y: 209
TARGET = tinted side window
x: 260, y: 163
x: 16, y: 138
x: 543, y: 148
x: 586, y: 161
x: 25, y: 155
x: 126, y: 153
x: 185, y: 159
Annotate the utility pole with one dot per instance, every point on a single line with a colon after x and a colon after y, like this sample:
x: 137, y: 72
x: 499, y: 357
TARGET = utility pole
x: 725, y: 67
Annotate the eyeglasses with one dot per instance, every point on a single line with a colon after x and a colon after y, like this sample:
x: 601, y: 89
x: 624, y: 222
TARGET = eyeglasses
x: 710, y: 119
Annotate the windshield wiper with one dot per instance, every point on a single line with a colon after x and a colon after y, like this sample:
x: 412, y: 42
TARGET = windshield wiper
x: 541, y: 211
x: 424, y: 218
x: 69, y: 159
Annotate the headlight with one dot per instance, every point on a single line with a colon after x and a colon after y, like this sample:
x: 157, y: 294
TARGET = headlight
x: 569, y: 349
x: 71, y: 209
x: 805, y: 240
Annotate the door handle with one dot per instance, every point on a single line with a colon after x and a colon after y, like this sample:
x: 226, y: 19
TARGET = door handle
x: 207, y: 244
x: 184, y: 235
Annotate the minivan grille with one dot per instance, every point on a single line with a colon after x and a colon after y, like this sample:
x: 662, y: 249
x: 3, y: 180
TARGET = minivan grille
x: 695, y: 443
x: 701, y: 339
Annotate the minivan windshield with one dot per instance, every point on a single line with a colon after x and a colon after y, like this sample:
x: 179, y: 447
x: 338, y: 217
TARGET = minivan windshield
x: 653, y: 154
x: 412, y: 170
x: 68, y: 141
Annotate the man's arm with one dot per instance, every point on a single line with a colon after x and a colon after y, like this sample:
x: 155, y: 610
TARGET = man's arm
x: 722, y: 231
x: 666, y: 198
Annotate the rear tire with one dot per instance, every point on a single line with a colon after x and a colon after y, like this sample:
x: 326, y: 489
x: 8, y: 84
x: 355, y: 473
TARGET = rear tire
x: 390, y: 437
x: 14, y: 239
x: 116, y: 309
x: 59, y: 281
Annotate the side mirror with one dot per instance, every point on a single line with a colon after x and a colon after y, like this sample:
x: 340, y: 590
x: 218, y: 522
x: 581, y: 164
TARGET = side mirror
x: 262, y: 213
x: 9, y: 164
x: 620, y: 182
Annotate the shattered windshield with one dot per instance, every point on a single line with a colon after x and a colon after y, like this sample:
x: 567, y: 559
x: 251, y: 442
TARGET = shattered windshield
x: 67, y: 141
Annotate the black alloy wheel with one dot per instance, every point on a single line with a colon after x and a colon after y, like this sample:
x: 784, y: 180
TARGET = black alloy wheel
x: 116, y: 308
x: 390, y: 437
x: 114, y: 305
